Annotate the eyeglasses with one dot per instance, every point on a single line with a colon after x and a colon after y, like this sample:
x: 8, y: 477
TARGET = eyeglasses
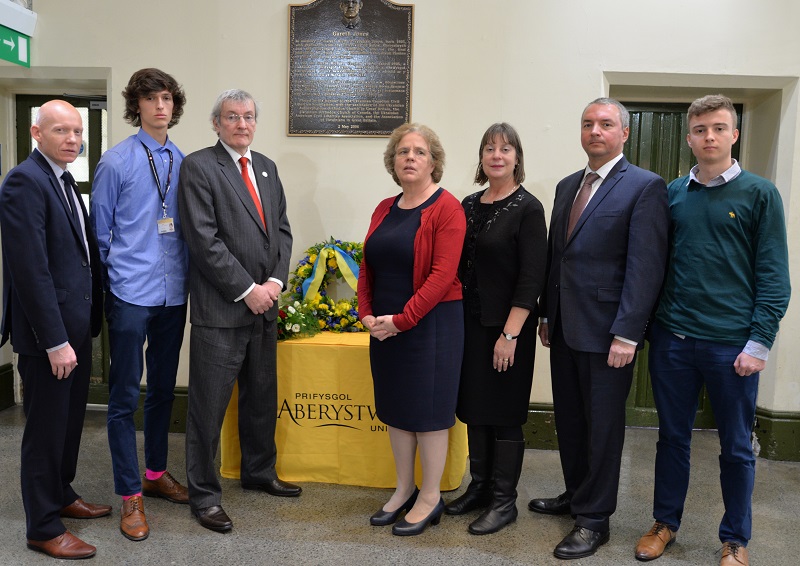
x: 234, y: 118
x: 404, y: 152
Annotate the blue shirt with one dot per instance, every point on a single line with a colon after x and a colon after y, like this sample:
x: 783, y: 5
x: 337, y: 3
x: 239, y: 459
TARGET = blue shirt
x: 142, y: 267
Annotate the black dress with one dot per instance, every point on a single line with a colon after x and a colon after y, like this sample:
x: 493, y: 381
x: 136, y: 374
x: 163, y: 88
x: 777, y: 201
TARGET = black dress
x: 502, y: 265
x: 415, y: 373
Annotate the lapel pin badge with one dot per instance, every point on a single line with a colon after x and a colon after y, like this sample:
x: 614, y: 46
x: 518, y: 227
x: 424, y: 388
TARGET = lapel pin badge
x: 263, y: 173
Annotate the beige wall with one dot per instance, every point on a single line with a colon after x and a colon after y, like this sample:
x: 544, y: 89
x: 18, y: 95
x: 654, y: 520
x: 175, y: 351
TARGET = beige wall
x: 533, y: 63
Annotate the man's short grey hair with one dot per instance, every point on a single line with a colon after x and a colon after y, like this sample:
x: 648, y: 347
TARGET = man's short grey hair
x: 623, y: 112
x: 236, y: 95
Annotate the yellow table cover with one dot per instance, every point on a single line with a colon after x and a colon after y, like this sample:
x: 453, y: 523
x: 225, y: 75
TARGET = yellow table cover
x: 327, y: 430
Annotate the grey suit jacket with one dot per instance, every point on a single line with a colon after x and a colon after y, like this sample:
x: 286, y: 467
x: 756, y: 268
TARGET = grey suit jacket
x: 229, y: 249
x: 604, y: 281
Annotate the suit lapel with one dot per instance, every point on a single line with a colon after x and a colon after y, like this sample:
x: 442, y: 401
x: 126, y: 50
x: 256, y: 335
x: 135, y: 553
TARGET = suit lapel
x: 231, y: 172
x: 262, y: 182
x: 605, y: 187
x: 60, y: 193
x: 561, y: 220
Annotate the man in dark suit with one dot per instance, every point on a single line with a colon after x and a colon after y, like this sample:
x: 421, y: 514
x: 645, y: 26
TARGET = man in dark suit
x: 233, y: 208
x: 51, y: 309
x: 606, y: 259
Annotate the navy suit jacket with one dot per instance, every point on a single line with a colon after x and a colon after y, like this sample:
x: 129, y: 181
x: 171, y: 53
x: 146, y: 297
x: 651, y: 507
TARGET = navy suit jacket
x: 605, y: 279
x: 229, y: 248
x: 51, y: 294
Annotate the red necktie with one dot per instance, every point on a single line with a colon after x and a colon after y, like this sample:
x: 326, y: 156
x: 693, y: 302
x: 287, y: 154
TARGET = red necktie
x: 581, y: 201
x: 252, y: 189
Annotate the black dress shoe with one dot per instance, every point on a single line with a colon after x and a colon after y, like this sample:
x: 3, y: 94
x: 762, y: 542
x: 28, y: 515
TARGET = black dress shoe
x: 406, y: 529
x: 581, y: 542
x: 276, y: 487
x: 552, y: 506
x: 382, y: 518
x: 213, y: 518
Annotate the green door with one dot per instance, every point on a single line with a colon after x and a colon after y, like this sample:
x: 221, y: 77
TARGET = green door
x: 657, y: 142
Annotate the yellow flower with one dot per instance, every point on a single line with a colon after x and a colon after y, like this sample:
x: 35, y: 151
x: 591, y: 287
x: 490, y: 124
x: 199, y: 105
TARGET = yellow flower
x: 312, y: 258
x: 323, y: 307
x: 332, y: 263
x: 321, y: 323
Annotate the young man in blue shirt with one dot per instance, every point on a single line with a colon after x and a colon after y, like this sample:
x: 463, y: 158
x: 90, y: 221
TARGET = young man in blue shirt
x: 726, y: 290
x: 145, y: 260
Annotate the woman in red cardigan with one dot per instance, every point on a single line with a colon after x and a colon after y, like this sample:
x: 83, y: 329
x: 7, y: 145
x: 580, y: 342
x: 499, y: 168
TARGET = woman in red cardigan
x: 409, y: 298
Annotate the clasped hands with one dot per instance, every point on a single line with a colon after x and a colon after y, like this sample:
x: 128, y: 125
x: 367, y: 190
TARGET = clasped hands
x: 261, y: 298
x: 380, y: 327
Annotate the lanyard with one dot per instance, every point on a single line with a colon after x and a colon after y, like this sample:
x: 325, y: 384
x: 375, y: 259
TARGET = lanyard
x: 163, y: 194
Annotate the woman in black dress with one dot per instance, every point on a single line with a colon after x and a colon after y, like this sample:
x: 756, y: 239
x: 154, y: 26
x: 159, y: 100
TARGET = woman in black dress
x: 409, y: 298
x: 502, y: 269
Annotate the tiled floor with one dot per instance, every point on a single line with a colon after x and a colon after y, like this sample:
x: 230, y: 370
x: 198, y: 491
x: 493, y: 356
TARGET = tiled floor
x: 328, y: 523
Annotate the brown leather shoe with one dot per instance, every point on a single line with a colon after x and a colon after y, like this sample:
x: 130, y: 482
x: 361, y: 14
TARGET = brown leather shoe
x: 132, y: 523
x: 655, y: 542
x: 734, y: 554
x: 66, y: 546
x: 167, y: 487
x: 79, y: 509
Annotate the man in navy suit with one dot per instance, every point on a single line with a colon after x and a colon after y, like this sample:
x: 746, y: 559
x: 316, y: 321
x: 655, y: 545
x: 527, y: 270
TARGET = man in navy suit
x: 233, y: 209
x: 606, y: 259
x: 51, y: 310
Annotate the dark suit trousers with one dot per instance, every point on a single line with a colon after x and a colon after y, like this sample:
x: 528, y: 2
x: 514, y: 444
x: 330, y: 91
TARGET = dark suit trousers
x: 220, y: 356
x: 589, y: 404
x: 54, y: 411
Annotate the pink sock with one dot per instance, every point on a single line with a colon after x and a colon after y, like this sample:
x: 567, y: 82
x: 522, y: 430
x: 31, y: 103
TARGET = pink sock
x: 126, y: 497
x: 152, y: 476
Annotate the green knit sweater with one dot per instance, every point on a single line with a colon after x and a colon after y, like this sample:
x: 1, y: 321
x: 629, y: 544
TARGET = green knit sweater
x: 728, y: 274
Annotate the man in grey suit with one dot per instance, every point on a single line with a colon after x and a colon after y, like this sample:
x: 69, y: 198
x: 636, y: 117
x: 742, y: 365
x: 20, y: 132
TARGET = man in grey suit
x: 607, y: 252
x: 233, y: 208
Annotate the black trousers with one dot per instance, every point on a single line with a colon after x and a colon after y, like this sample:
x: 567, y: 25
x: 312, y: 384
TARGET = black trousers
x: 54, y: 411
x: 589, y: 403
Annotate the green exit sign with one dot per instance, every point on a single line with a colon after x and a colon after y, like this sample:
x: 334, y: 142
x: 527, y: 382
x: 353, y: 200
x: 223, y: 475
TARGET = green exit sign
x: 15, y: 47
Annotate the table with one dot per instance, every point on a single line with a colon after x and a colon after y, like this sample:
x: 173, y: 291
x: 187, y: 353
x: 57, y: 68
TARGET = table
x: 327, y: 430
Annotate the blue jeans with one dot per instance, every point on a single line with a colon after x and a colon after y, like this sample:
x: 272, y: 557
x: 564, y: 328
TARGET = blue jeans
x: 679, y: 368
x: 128, y: 327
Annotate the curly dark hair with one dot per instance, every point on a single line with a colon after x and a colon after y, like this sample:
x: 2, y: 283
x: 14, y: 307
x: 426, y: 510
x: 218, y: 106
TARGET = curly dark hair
x: 148, y: 81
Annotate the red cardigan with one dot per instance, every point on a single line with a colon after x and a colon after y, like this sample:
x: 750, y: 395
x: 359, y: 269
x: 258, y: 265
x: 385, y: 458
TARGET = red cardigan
x: 437, y: 251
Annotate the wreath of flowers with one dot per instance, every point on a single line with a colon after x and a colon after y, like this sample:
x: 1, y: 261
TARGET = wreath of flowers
x: 320, y: 311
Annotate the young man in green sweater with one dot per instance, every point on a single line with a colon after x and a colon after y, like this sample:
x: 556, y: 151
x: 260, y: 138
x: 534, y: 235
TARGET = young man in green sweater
x: 726, y: 290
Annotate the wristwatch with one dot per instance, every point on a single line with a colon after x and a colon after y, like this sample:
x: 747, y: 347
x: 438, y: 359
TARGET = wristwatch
x: 508, y: 336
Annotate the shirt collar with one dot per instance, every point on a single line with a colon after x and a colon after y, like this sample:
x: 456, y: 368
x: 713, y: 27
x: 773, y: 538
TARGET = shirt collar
x: 235, y: 155
x: 605, y: 169
x: 725, y: 177
x: 149, y: 142
x: 56, y: 169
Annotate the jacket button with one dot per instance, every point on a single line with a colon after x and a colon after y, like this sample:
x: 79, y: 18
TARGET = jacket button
x: 84, y: 264
x: 86, y: 297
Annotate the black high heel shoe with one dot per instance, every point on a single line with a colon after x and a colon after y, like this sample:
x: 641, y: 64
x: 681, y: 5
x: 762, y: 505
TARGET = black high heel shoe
x: 382, y: 518
x: 406, y: 529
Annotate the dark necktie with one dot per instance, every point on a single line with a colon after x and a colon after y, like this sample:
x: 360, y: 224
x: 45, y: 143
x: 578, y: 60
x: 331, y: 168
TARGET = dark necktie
x: 252, y: 189
x: 581, y: 201
x: 69, y: 189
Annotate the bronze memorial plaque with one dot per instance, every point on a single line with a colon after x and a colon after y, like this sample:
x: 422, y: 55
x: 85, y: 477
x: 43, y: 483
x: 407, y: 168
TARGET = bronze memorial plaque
x: 349, y: 67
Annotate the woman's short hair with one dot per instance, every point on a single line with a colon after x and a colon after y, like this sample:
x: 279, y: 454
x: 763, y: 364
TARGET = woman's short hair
x: 509, y: 135
x: 434, y: 145
x: 148, y: 81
